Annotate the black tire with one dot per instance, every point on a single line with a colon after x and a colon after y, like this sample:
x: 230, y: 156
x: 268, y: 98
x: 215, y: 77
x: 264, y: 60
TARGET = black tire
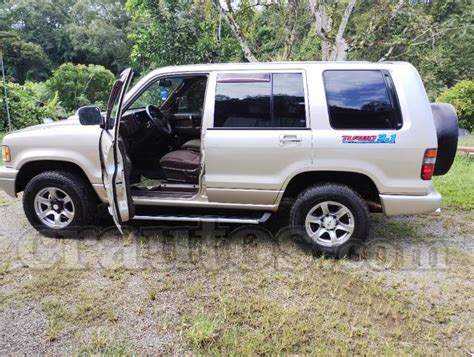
x: 79, y: 190
x: 447, y: 130
x: 340, y: 194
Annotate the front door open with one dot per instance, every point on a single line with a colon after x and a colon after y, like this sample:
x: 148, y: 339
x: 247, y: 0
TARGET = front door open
x: 115, y: 164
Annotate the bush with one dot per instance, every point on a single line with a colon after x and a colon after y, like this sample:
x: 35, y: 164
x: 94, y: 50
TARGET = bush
x: 461, y: 96
x: 29, y: 105
x: 80, y: 85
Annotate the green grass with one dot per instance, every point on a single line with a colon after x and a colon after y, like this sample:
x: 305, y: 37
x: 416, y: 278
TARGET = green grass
x: 320, y: 311
x: 457, y: 186
x: 467, y: 141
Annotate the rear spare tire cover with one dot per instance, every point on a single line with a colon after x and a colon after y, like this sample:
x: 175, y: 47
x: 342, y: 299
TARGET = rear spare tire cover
x: 446, y: 122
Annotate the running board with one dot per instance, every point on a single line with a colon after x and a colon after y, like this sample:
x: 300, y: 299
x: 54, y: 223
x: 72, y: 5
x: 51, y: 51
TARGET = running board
x: 208, y: 218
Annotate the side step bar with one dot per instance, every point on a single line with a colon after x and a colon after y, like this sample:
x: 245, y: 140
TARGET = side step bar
x: 208, y: 218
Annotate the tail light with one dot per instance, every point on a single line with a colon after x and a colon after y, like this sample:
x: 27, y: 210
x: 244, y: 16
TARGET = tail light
x: 429, y: 160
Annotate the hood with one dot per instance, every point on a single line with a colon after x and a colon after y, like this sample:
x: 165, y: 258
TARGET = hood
x: 71, y: 121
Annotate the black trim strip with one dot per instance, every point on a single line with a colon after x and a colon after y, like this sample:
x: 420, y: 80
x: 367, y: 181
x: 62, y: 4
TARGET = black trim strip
x: 393, y: 98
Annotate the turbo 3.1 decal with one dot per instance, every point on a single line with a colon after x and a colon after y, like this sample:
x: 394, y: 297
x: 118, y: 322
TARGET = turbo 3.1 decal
x: 369, y: 139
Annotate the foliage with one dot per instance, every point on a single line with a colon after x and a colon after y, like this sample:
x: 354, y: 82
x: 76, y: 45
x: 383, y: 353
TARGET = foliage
x: 435, y: 36
x: 97, y: 33
x: 25, y: 60
x: 461, y: 96
x: 29, y: 104
x: 79, y: 85
x: 437, y: 39
x: 79, y: 31
x: 41, y: 22
x: 177, y: 32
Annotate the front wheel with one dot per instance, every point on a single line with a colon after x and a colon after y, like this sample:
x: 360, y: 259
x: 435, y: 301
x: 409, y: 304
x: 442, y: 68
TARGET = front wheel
x: 331, y: 217
x: 56, y: 202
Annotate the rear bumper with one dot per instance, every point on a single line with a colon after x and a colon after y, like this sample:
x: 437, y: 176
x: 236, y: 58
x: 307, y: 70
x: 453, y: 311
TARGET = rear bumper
x: 397, y: 205
x: 7, y: 180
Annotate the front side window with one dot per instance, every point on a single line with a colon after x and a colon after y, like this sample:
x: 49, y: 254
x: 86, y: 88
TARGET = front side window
x: 360, y: 99
x: 260, y: 100
x: 156, y: 93
x: 192, y: 99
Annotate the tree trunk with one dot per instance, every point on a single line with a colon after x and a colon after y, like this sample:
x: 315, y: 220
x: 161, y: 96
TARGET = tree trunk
x: 290, y: 29
x: 333, y: 48
x: 235, y: 29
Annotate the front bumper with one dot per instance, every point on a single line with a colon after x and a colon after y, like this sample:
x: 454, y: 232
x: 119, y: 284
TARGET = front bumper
x: 398, y: 205
x: 7, y: 180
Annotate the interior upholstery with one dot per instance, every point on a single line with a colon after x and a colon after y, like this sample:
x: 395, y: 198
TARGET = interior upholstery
x: 194, y: 144
x: 182, y: 165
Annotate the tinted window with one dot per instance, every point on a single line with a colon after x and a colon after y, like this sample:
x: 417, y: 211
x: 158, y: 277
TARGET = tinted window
x: 192, y: 100
x: 243, y: 104
x: 288, y: 100
x: 246, y: 100
x: 359, y: 100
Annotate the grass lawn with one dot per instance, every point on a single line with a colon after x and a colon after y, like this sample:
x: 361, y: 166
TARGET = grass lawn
x: 457, y: 186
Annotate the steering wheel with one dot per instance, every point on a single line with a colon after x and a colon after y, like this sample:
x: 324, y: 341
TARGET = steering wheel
x: 161, y: 123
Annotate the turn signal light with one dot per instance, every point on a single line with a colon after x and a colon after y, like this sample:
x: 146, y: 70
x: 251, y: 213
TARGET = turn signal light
x: 6, y: 156
x: 429, y: 161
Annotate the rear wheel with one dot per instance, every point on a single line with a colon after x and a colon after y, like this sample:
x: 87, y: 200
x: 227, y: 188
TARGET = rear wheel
x: 57, y: 203
x: 332, y: 218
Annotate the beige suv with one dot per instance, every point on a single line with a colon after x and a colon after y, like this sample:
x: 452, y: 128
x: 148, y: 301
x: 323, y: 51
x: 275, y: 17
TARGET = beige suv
x: 230, y: 142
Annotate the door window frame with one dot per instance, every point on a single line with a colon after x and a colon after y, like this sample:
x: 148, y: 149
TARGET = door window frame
x: 160, y: 76
x: 211, y: 98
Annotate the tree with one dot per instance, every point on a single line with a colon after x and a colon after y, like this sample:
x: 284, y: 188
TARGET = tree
x: 29, y: 105
x: 334, y: 46
x: 177, y: 32
x: 436, y: 38
x: 461, y: 96
x: 229, y: 16
x: 42, y: 22
x: 25, y: 60
x: 79, y: 85
x: 79, y: 31
x: 97, y: 30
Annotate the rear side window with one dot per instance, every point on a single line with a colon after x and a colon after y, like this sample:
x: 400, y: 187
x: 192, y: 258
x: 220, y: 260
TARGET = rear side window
x: 260, y: 100
x: 361, y: 100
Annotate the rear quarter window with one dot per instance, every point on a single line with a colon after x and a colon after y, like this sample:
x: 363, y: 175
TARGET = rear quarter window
x: 361, y: 99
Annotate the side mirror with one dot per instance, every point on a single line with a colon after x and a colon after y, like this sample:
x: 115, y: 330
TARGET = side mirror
x: 90, y: 115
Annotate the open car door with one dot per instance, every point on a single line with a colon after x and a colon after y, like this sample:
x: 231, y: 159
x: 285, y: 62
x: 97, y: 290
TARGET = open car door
x: 116, y: 166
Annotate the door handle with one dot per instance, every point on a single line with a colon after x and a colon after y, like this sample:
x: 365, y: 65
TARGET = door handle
x: 290, y: 139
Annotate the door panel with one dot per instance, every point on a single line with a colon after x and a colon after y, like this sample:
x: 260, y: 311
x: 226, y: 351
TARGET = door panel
x: 187, y: 123
x: 255, y: 159
x: 115, y: 164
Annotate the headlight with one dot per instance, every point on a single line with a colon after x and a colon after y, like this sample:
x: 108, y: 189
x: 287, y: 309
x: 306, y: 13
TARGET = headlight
x: 6, y: 155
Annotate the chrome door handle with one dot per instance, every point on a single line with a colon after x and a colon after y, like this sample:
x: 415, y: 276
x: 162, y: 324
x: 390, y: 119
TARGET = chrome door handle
x: 290, y: 139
